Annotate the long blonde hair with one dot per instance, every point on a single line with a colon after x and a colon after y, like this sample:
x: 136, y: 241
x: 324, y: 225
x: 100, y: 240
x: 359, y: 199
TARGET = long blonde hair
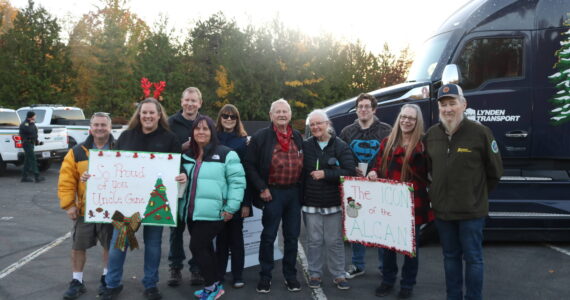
x: 395, y: 139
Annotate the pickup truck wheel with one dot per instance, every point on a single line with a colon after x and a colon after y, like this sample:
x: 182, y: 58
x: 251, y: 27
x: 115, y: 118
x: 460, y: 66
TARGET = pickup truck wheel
x: 2, y: 167
x: 43, y: 165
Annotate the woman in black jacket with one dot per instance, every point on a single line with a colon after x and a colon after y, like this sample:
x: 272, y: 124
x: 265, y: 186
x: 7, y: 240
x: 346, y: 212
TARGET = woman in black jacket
x: 326, y: 158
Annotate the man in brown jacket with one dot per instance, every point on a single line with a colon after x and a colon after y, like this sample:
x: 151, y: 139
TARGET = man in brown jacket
x: 465, y: 164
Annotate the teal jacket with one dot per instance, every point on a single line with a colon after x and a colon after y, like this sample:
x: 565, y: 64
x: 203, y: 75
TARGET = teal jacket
x: 220, y: 184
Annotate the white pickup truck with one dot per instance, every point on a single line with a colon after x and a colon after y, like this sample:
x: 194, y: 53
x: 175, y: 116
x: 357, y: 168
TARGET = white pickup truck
x: 53, y: 139
x: 70, y: 117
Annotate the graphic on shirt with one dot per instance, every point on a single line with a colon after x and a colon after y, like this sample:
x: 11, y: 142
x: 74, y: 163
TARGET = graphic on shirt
x: 365, y: 150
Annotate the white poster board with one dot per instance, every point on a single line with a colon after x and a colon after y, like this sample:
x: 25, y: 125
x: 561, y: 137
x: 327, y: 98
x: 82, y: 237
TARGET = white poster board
x: 379, y: 214
x: 131, y: 182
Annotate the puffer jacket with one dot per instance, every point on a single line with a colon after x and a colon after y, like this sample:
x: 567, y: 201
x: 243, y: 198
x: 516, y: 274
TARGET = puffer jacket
x: 335, y: 160
x: 70, y: 190
x: 220, y: 184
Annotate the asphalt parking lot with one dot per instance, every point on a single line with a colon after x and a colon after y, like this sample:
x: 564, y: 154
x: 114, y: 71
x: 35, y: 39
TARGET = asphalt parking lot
x: 35, y: 264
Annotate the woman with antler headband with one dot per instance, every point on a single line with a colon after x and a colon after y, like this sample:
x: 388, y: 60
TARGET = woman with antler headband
x: 147, y: 131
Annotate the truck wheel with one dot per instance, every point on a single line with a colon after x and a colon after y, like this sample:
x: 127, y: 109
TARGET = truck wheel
x: 43, y: 165
x: 72, y: 142
x: 428, y: 233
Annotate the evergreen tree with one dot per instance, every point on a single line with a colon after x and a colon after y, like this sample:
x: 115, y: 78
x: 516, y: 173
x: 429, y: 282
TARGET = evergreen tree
x: 34, y: 64
x: 158, y: 209
x: 561, y: 79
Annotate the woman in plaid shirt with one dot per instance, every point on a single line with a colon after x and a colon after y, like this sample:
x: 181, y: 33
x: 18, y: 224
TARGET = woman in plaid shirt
x: 403, y: 158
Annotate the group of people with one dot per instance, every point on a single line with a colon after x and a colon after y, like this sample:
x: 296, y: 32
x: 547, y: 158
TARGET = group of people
x: 290, y: 179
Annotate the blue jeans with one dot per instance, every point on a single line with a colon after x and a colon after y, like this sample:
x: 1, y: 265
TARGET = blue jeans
x: 285, y: 205
x: 409, y: 269
x: 462, y: 240
x: 176, y: 254
x: 358, y: 253
x: 152, y: 236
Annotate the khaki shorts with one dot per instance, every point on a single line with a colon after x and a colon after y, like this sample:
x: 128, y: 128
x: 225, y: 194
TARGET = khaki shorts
x: 85, y: 235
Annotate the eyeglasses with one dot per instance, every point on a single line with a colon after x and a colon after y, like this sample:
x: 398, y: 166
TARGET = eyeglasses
x: 411, y: 119
x: 364, y: 107
x: 227, y: 116
x: 317, y: 124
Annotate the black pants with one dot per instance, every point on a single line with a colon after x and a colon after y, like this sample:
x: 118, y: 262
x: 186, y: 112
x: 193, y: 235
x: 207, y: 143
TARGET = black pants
x: 201, y: 244
x: 229, y: 240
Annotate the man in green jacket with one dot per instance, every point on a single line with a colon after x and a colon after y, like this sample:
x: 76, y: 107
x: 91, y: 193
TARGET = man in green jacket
x: 465, y: 164
x: 29, y: 134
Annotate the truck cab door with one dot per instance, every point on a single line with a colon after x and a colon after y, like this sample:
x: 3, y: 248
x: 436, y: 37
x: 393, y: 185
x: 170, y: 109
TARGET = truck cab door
x: 495, y: 76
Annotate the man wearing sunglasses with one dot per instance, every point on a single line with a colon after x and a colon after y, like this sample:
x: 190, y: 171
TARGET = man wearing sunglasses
x: 181, y: 124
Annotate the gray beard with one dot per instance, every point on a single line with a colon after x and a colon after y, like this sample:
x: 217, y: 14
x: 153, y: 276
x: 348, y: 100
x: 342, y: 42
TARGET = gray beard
x: 450, y: 127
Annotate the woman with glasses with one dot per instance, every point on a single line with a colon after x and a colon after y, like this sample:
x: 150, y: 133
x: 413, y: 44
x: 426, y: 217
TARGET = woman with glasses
x: 216, y: 182
x: 326, y: 158
x: 403, y: 158
x: 232, y: 134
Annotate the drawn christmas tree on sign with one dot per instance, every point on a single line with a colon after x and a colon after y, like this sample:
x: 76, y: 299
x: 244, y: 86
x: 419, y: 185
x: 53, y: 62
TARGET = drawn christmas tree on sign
x: 158, y: 209
x: 561, y: 79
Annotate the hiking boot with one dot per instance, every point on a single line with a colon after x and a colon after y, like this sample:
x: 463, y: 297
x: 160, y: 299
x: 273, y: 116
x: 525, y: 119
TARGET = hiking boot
x: 341, y: 284
x: 27, y: 179
x: 39, y: 179
x: 75, y: 290
x: 384, y: 290
x: 102, y: 285
x: 175, y: 277
x: 353, y: 272
x: 405, y: 293
x: 293, y: 285
x: 196, y: 278
x: 111, y: 293
x: 263, y: 286
x: 152, y: 294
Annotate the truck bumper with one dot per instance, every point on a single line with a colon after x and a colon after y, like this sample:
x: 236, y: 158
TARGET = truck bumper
x: 57, y: 154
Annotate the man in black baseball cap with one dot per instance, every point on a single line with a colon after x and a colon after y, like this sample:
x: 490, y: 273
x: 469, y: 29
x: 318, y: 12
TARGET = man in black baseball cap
x: 465, y: 164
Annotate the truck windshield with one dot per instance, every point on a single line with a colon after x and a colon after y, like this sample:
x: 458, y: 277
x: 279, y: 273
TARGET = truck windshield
x: 9, y: 118
x: 428, y: 58
x: 68, y: 114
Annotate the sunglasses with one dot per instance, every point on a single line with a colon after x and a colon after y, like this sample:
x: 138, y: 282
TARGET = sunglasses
x: 226, y: 116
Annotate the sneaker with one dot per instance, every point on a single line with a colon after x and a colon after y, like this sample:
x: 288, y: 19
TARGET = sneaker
x: 341, y: 284
x: 152, y: 294
x: 238, y: 284
x: 353, y: 272
x: 405, y: 293
x: 175, y: 277
x: 27, y: 179
x: 263, y: 286
x: 102, y: 285
x: 293, y: 285
x: 384, y: 290
x: 314, y: 282
x: 39, y: 179
x: 205, y: 294
x: 111, y: 293
x: 75, y: 290
x: 196, y: 278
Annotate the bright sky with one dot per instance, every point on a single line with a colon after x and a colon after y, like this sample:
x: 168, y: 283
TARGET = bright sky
x: 373, y: 22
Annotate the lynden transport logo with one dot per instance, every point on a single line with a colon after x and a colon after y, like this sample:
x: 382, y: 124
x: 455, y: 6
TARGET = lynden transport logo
x: 490, y: 115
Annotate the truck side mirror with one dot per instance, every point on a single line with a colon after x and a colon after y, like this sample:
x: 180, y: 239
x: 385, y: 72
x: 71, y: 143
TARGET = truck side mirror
x: 450, y: 74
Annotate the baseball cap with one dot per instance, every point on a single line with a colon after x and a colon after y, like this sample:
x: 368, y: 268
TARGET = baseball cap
x: 449, y: 90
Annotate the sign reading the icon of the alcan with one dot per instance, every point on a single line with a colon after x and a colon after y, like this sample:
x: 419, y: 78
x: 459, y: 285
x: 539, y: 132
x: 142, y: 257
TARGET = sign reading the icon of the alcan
x: 561, y: 79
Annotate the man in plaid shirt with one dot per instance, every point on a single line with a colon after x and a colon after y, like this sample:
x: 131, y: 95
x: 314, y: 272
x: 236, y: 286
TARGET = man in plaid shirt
x: 274, y: 162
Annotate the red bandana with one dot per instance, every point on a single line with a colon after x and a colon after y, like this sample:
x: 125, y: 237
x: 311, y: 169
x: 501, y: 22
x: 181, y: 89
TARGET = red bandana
x: 284, y: 138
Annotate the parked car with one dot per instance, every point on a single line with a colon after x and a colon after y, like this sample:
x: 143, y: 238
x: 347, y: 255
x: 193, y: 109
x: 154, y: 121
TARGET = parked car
x: 511, y: 58
x: 70, y: 117
x: 53, y: 147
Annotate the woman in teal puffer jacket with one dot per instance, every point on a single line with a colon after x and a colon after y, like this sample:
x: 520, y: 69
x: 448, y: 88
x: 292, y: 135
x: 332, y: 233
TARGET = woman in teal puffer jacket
x: 216, y: 184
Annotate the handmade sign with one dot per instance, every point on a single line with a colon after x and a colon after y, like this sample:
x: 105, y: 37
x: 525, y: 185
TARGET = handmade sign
x: 379, y: 213
x: 132, y: 182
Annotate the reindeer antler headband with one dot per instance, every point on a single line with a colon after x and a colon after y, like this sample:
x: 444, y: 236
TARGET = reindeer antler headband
x: 158, y: 88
